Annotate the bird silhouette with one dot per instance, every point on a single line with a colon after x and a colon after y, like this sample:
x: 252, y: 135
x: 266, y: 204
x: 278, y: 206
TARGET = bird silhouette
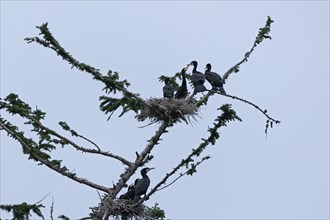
x: 168, y: 89
x: 197, y: 78
x: 129, y: 195
x: 142, y: 184
x: 182, y: 91
x: 214, y: 79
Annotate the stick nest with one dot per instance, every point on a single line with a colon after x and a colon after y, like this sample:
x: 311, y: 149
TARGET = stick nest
x: 125, y: 209
x: 165, y: 109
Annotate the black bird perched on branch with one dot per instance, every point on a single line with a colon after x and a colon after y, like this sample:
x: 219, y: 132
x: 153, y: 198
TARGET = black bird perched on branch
x: 214, y: 79
x: 182, y: 91
x: 168, y: 89
x: 197, y: 78
x: 129, y: 195
x: 142, y: 185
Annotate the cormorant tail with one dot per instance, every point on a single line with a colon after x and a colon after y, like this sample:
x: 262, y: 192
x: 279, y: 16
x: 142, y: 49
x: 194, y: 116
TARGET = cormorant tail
x: 222, y: 90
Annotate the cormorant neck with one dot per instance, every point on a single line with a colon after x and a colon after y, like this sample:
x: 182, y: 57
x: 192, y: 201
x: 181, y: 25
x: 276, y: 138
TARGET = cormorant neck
x: 144, y: 174
x: 183, y: 75
x: 195, y: 68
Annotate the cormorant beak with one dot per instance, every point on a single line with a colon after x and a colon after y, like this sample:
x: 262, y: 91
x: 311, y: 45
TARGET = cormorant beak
x: 151, y: 168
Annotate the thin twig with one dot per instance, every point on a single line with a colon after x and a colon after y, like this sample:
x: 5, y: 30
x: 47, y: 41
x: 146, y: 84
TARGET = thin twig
x: 86, y: 139
x: 42, y: 198
x: 99, y: 195
x: 264, y: 112
x: 83, y: 149
x: 181, y: 175
x: 153, y: 122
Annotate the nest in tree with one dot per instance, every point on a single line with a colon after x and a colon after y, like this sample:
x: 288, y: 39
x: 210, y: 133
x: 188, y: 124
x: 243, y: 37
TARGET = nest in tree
x: 125, y: 209
x: 165, y: 109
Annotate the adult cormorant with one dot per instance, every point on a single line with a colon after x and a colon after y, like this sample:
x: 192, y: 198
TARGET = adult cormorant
x: 197, y: 78
x: 142, y: 185
x: 168, y: 89
x: 129, y: 195
x: 182, y: 91
x: 214, y: 79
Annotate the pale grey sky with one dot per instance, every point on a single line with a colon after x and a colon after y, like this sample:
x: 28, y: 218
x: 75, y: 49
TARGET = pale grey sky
x: 285, y: 176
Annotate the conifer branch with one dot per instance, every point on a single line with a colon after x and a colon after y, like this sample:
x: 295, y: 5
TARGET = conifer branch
x: 129, y: 101
x: 34, y: 154
x: 14, y: 103
x: 50, y: 42
x: 263, y: 34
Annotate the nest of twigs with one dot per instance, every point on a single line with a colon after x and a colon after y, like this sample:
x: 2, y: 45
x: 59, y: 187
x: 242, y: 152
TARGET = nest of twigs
x: 165, y: 109
x: 125, y: 209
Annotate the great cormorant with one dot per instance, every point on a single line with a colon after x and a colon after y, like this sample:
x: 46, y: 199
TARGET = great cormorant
x: 182, y: 91
x: 197, y: 78
x: 142, y: 185
x: 214, y: 79
x: 129, y: 195
x: 168, y: 89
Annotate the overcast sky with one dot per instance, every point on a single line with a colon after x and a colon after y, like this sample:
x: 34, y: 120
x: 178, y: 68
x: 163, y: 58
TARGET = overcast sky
x: 283, y: 176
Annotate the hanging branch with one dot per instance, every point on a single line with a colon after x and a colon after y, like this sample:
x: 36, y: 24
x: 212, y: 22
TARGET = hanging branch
x: 264, y: 112
x: 204, y: 99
